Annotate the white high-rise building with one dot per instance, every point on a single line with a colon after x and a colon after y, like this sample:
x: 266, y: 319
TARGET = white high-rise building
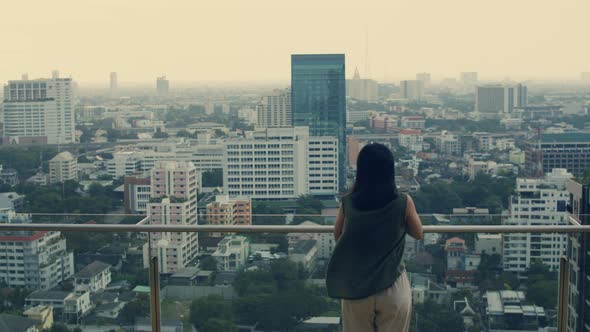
x: 63, y: 167
x: 274, y: 111
x: 469, y: 78
x: 424, y: 78
x: 114, y: 84
x: 493, y: 100
x: 162, y: 86
x: 174, y: 202
x: 280, y: 163
x: 537, y: 202
x: 361, y: 88
x: 411, y: 89
x: 39, y: 111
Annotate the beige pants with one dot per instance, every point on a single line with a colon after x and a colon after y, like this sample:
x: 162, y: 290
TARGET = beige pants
x: 387, y: 311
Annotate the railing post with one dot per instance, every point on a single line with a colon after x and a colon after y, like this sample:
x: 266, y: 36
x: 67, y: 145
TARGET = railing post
x: 155, y: 294
x: 563, y: 294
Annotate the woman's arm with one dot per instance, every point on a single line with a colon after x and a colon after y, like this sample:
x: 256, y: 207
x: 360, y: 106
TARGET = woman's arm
x: 413, y: 223
x: 339, y: 223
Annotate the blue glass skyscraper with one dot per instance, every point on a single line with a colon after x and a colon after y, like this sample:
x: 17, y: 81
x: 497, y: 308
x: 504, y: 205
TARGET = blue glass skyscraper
x: 318, y: 99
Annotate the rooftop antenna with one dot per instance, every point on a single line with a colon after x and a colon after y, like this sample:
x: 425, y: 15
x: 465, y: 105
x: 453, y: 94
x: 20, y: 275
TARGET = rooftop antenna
x: 367, y: 71
x: 539, y: 154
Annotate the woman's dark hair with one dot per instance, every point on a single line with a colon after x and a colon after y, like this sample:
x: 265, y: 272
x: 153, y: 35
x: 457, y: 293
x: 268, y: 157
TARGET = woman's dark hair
x: 374, y: 185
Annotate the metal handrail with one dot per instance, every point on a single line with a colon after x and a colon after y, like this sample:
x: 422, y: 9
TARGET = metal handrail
x: 139, y: 228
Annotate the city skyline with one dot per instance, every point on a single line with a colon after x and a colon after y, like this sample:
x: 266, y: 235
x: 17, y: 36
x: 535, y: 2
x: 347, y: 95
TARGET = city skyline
x: 187, y: 44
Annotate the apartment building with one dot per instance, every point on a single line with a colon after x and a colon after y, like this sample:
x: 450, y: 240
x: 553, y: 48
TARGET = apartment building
x: 413, y: 122
x: 232, y: 253
x: 570, y: 151
x: 280, y: 163
x: 411, y: 139
x: 94, y: 277
x: 383, y: 122
x: 63, y: 167
x: 173, y: 202
x: 448, y: 143
x: 39, y: 111
x: 274, y: 110
x: 537, y: 202
x: 35, y: 260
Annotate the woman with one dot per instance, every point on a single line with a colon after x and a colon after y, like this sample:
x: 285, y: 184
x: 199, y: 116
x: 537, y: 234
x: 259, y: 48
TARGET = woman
x: 366, y: 269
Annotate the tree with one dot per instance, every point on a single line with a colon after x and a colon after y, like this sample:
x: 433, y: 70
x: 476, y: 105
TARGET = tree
x: 209, y: 264
x: 219, y: 325
x: 308, y: 209
x: 140, y: 307
x: 184, y: 133
x: 210, y: 311
x: 213, y: 178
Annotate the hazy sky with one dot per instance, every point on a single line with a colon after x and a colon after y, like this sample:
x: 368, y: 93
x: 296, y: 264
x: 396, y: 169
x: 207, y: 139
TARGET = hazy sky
x: 199, y: 40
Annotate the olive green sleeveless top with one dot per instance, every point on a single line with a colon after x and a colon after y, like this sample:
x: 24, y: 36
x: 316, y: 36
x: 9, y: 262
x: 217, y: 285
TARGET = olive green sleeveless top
x: 368, y: 256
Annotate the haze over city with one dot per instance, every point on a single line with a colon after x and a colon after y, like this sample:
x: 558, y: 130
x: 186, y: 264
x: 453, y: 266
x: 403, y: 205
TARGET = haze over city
x: 252, y: 41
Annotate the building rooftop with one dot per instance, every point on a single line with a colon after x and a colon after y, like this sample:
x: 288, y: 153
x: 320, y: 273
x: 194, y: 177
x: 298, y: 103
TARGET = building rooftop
x: 304, y: 247
x: 49, y: 295
x: 15, y: 323
x: 63, y: 156
x: 575, y: 137
x: 92, y: 270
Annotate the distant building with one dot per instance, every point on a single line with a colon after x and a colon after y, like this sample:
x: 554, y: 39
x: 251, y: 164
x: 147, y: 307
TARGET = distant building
x: 173, y: 202
x: 411, y: 89
x: 232, y: 253
x: 469, y: 78
x: 578, y: 258
x: 42, y: 314
x: 8, y: 176
x: 508, y: 310
x: 461, y: 263
x: 424, y: 78
x: 63, y: 167
x: 93, y: 278
x: 226, y: 211
x: 14, y: 323
x: 318, y: 98
x: 354, y: 116
x: 411, y: 139
x: 113, y: 84
x: 304, y: 252
x: 413, y: 122
x: 39, y: 111
x: 125, y: 162
x: 472, y: 215
x: 274, y: 111
x: 489, y: 244
x: 383, y: 122
x: 248, y: 115
x: 280, y: 163
x: 137, y: 193
x: 493, y: 100
x: 565, y: 150
x: 447, y: 143
x: 361, y: 89
x: 537, y: 202
x: 67, y: 306
x: 487, y: 167
x: 41, y: 260
x: 162, y: 86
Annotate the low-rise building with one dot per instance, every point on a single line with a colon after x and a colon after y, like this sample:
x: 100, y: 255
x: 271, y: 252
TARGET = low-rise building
x: 411, y: 139
x: 383, y: 122
x: 226, y: 211
x: 487, y: 167
x: 15, y: 323
x: 472, y: 215
x: 413, y: 122
x: 304, y: 252
x: 93, y: 278
x: 461, y: 263
x: 489, y: 244
x: 448, y: 143
x: 42, y: 314
x: 67, y: 306
x: 508, y: 311
x: 63, y: 167
x: 232, y: 253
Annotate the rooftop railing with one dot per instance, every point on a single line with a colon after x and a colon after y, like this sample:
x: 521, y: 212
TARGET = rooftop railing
x: 80, y: 225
